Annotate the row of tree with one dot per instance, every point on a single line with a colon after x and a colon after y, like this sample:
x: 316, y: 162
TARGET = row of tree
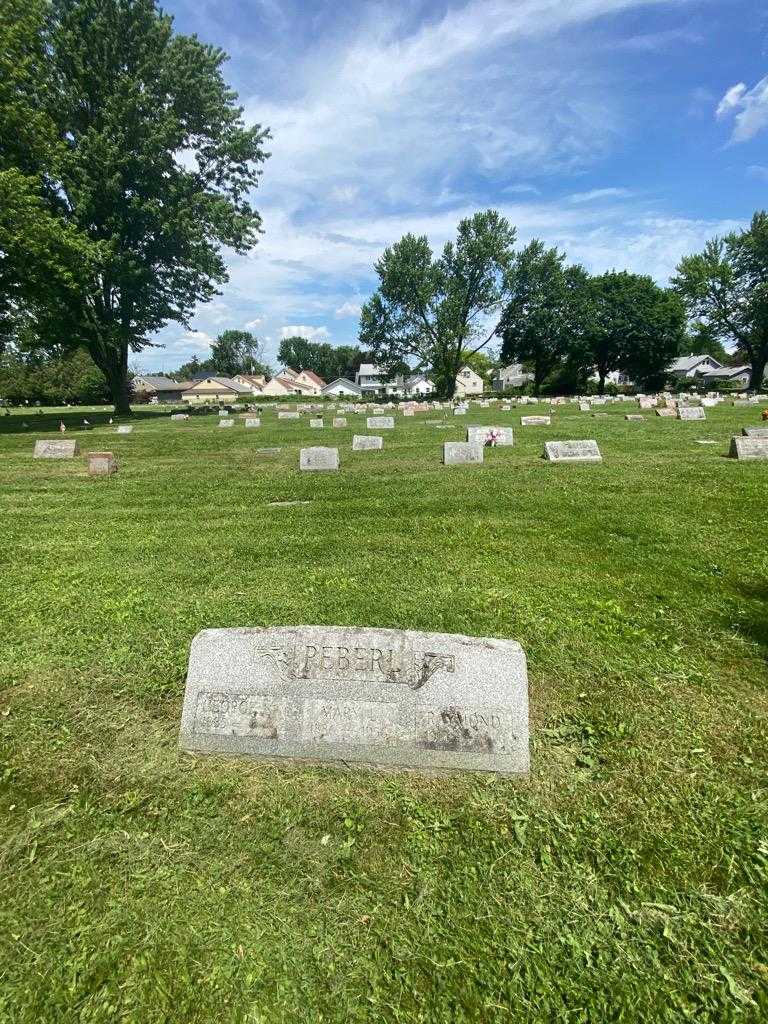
x: 564, y: 323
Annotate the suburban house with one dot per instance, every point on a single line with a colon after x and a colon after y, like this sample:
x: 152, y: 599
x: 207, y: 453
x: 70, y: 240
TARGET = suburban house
x: 342, y: 388
x: 369, y: 378
x: 419, y: 384
x: 468, y: 382
x: 215, y: 389
x: 148, y: 388
x: 738, y: 375
x: 693, y: 366
x: 311, y: 379
x: 254, y: 381
x: 281, y: 385
x: 512, y: 376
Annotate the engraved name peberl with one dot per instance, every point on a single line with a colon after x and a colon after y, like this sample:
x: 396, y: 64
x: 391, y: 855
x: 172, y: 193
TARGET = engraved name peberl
x: 378, y: 696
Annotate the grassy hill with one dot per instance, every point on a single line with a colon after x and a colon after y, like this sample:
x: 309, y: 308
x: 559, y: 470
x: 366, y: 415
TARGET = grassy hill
x: 625, y: 880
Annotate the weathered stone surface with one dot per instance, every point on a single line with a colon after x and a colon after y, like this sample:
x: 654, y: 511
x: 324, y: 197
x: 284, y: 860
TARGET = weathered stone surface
x: 666, y: 411
x: 380, y: 422
x: 285, y: 504
x: 125, y: 428
x: 288, y: 416
x: 268, y: 451
x: 755, y: 431
x: 316, y: 424
x: 477, y: 434
x: 634, y: 417
x: 459, y: 411
x: 384, y: 697
x: 339, y: 421
x: 251, y: 422
x: 226, y: 423
x: 585, y: 407
x: 56, y: 449
x: 367, y: 442
x: 460, y: 453
x: 535, y: 421
x: 101, y: 464
x: 749, y: 448
x: 691, y: 412
x: 319, y: 459
x: 572, y: 451
x: 180, y: 416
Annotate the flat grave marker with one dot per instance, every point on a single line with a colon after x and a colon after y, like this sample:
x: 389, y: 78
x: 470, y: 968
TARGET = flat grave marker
x: 125, y: 428
x: 56, y: 449
x: 226, y: 423
x: 691, y: 412
x: 755, y: 431
x: 339, y: 421
x: 535, y: 421
x: 380, y: 422
x: 251, y: 422
x: 491, y: 436
x: 383, y: 697
x: 101, y: 463
x: 667, y: 412
x: 288, y: 415
x: 316, y: 424
x: 572, y: 451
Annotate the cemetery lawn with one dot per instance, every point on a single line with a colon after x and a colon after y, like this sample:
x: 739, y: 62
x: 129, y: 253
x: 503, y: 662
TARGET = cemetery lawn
x: 625, y: 880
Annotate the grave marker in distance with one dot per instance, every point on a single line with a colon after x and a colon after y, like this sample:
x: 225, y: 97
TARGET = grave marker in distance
x: 691, y: 412
x: 391, y: 698
x: 485, y: 435
x: 380, y: 422
x: 367, y: 443
x: 462, y: 453
x: 101, y: 464
x: 535, y: 421
x: 318, y: 459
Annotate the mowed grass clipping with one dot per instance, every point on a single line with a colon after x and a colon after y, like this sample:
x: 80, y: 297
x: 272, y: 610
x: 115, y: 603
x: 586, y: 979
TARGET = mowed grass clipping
x: 625, y: 880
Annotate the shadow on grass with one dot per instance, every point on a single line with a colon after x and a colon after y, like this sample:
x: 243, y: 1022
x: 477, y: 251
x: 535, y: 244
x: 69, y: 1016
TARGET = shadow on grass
x: 35, y: 421
x: 753, y: 624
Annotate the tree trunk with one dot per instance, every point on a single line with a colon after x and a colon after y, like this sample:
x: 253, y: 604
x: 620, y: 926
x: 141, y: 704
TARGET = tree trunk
x: 757, y: 373
x: 601, y: 381
x: 113, y: 363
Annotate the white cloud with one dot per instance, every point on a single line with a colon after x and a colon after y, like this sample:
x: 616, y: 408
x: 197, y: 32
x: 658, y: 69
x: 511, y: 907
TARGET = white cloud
x: 749, y: 107
x: 758, y: 171
x: 251, y: 325
x: 348, y: 309
x: 302, y: 331
x: 599, y: 193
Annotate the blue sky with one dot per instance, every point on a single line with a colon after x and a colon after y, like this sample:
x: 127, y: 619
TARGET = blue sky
x: 625, y: 132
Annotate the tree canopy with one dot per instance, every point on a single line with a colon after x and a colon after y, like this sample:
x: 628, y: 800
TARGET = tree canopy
x: 326, y: 360
x: 140, y: 172
x: 726, y: 287
x: 436, y: 311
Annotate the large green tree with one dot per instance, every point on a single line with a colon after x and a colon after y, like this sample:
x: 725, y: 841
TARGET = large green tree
x: 236, y: 352
x: 547, y: 310
x: 439, y: 310
x: 726, y: 286
x: 326, y: 360
x: 148, y: 176
x: 631, y: 325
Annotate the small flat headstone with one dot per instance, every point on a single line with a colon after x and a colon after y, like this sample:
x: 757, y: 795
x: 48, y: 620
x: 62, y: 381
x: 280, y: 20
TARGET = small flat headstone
x: 490, y: 436
x: 667, y: 412
x: 408, y: 412
x: 226, y: 423
x: 459, y: 411
x: 599, y: 415
x: 339, y: 421
x: 125, y: 429
x: 56, y: 449
x: 180, y: 416
x: 252, y: 422
x: 461, y: 453
x: 755, y: 431
x: 634, y: 417
x: 316, y: 424
x: 268, y: 451
x: 749, y: 448
x: 572, y: 451
x: 288, y: 416
x: 585, y: 407
x: 385, y: 697
x: 318, y: 459
x: 101, y: 464
x: 367, y: 443
x: 535, y: 421
x: 380, y: 422
x: 285, y: 504
x: 691, y: 412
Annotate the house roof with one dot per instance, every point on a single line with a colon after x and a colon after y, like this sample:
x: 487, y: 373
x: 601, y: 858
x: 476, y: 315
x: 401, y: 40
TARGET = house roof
x: 292, y: 383
x: 314, y: 377
x: 347, y: 383
x: 162, y: 383
x: 686, y: 363
x: 287, y: 371
x: 724, y: 372
x: 416, y: 378
x: 369, y: 370
x: 253, y: 378
x: 226, y: 382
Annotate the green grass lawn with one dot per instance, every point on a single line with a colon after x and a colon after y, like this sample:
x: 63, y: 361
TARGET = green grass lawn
x: 625, y: 880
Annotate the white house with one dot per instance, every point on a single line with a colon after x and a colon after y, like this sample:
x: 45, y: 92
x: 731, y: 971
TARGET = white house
x: 693, y: 366
x: 311, y: 380
x: 215, y: 389
x: 468, y: 382
x: 254, y: 381
x: 280, y: 386
x: 341, y: 387
x: 512, y: 376
x: 419, y: 384
x: 369, y: 377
